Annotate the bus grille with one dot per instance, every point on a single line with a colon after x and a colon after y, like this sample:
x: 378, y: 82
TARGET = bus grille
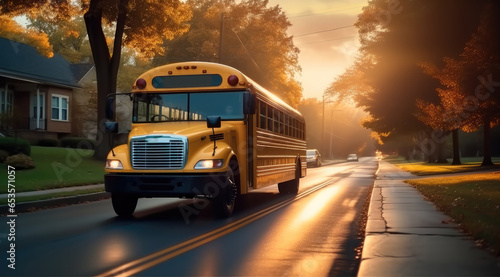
x: 159, y: 152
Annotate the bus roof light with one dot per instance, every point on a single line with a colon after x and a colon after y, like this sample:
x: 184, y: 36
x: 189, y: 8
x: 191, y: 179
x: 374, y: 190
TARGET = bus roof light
x: 140, y: 83
x: 233, y: 80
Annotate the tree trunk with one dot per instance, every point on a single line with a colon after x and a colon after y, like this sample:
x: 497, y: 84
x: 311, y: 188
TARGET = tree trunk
x: 487, y: 142
x: 441, y: 153
x: 106, y: 67
x: 456, y: 148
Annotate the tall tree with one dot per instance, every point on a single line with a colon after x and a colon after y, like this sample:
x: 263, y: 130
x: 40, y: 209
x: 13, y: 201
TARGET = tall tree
x: 67, y: 38
x: 397, y: 36
x: 141, y: 25
x: 248, y: 35
x: 469, y: 99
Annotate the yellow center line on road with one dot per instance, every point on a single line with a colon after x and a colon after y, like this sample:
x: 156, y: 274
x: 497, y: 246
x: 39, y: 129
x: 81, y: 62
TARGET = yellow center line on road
x: 156, y: 258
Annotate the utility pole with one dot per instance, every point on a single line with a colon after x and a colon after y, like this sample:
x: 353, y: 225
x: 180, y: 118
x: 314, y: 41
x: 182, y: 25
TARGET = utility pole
x: 323, y: 146
x: 323, y: 126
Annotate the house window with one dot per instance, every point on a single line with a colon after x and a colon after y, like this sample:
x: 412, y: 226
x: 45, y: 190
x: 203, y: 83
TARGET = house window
x: 59, y: 107
x: 6, y: 101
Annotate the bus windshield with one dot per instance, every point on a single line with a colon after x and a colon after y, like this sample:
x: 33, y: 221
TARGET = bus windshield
x: 162, y: 107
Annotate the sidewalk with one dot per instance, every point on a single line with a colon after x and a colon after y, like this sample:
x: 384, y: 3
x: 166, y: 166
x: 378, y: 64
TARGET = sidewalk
x: 407, y: 236
x: 52, y: 191
x: 55, y: 202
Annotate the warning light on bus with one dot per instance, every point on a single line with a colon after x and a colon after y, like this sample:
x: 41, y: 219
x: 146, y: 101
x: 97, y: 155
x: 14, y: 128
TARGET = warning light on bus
x: 140, y: 83
x: 232, y: 80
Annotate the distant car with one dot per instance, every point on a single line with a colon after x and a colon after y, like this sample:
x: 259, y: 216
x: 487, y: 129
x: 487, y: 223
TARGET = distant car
x: 314, y: 157
x: 352, y: 158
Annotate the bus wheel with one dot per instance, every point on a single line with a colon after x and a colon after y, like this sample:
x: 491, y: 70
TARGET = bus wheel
x: 224, y: 201
x: 124, y: 205
x: 292, y: 186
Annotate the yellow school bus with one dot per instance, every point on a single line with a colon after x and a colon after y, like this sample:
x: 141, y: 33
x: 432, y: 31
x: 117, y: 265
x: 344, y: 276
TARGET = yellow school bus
x: 204, y: 130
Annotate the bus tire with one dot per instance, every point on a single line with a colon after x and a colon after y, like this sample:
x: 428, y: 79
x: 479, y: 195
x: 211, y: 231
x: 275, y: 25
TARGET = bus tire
x: 124, y: 205
x: 224, y: 201
x: 292, y: 186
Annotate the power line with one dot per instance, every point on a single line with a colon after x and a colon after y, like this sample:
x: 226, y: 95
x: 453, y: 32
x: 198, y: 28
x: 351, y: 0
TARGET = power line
x: 325, y: 40
x: 244, y: 47
x: 328, y: 12
x: 324, y: 31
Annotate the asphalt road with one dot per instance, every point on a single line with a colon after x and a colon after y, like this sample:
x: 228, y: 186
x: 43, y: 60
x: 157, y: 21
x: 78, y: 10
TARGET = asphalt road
x: 315, y: 233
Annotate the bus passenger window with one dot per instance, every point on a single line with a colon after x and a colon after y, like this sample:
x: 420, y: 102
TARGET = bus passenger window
x: 287, y: 125
x: 282, y: 123
x: 270, y: 118
x: 262, y: 118
x: 276, y: 121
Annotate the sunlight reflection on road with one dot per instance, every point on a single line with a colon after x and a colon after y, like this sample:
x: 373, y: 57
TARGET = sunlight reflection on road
x: 316, y: 205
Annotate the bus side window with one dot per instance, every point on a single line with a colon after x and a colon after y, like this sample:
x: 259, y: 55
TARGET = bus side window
x: 270, y: 118
x: 287, y: 125
x: 263, y: 118
x: 282, y: 123
x: 302, y: 134
x: 276, y: 121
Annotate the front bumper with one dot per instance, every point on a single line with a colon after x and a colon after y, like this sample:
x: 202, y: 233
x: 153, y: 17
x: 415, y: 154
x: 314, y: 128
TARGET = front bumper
x: 165, y: 185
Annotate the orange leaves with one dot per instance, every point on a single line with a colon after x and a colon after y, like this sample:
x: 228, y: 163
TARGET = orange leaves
x: 13, y: 31
x: 148, y: 25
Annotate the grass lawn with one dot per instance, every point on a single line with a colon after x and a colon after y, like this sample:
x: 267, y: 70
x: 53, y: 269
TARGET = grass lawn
x: 57, y: 167
x: 423, y: 168
x: 472, y: 200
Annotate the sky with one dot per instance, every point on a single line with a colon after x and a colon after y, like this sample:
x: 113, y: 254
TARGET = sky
x: 326, y: 54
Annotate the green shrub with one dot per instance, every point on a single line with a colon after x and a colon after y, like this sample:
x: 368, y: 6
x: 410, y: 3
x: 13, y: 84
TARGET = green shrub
x: 15, y: 145
x: 80, y: 143
x: 48, y: 142
x: 20, y: 161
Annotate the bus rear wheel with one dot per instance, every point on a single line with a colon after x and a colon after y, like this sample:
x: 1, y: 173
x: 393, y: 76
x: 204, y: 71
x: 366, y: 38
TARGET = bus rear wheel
x: 292, y: 186
x: 224, y: 201
x: 124, y: 205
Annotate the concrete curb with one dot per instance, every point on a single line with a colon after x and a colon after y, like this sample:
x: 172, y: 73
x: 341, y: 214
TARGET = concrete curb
x: 56, y: 202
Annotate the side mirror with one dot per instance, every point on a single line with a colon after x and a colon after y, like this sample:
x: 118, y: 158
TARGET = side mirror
x: 111, y: 127
x: 213, y: 122
x: 249, y: 103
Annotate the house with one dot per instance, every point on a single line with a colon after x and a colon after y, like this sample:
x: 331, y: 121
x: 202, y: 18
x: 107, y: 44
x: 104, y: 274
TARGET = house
x: 37, y: 93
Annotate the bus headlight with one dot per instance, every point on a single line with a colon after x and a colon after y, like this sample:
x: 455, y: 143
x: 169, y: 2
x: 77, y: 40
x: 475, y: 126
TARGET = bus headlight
x: 114, y: 164
x: 209, y: 164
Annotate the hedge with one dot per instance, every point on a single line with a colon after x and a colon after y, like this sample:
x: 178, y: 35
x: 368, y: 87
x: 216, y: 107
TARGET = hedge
x: 15, y: 145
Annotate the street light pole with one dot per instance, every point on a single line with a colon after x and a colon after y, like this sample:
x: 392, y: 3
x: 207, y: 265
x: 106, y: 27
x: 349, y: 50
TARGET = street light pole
x: 323, y: 127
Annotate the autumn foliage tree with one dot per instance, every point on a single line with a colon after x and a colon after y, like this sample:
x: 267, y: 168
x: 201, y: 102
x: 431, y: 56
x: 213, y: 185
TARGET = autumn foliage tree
x: 469, y: 97
x: 67, y: 38
x: 248, y: 35
x: 387, y: 81
x: 48, y: 10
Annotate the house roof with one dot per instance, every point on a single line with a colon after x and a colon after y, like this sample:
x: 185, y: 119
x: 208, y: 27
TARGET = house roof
x: 21, y: 61
x: 80, y: 70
